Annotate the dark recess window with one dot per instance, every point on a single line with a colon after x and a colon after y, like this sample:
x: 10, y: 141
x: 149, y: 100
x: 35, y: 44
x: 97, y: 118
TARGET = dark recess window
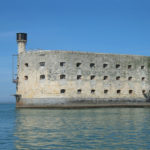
x: 129, y: 66
x: 79, y: 91
x: 105, y: 65
x: 130, y: 91
x: 62, y: 76
x: 78, y: 64
x: 62, y: 91
x: 105, y: 91
x: 26, y: 77
x: 117, y: 65
x: 143, y: 78
x: 92, y: 77
x: 92, y: 91
x: 92, y: 65
x: 42, y: 64
x: 129, y: 78
x: 142, y: 67
x: 105, y: 78
x: 118, y: 91
x: 118, y: 78
x: 143, y: 91
x: 62, y: 64
x: 26, y: 64
x: 79, y: 77
x: 42, y: 77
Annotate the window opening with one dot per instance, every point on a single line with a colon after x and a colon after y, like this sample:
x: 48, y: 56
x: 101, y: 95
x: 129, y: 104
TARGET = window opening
x: 130, y: 91
x: 92, y: 77
x: 78, y: 64
x: 42, y: 64
x: 143, y: 91
x: 92, y: 91
x: 79, y: 91
x: 62, y: 76
x: 26, y: 77
x: 62, y: 91
x: 42, y: 77
x: 129, y: 66
x: 117, y: 65
x: 62, y: 64
x: 105, y: 91
x: 105, y: 77
x: 26, y: 64
x: 92, y: 65
x: 118, y: 78
x: 129, y: 78
x: 105, y: 65
x: 118, y: 91
x: 79, y: 77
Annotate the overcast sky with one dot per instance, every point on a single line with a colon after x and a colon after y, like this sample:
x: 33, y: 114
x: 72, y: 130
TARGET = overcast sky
x: 107, y: 26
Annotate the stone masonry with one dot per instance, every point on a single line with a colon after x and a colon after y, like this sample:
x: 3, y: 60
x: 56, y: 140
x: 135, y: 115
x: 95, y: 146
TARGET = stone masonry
x: 83, y: 76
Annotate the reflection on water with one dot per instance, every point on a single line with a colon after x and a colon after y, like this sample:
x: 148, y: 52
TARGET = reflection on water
x: 116, y: 128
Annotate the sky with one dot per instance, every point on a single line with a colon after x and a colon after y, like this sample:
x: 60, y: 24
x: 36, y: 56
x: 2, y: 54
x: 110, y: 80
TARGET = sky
x: 104, y: 26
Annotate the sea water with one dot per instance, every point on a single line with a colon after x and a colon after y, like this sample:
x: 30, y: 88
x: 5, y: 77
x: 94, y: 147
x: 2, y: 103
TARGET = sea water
x: 67, y: 129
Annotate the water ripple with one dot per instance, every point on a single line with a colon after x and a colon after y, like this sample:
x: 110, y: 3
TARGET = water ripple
x: 109, y: 128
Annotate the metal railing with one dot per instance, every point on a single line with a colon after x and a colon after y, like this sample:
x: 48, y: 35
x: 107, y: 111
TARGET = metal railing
x: 14, y: 68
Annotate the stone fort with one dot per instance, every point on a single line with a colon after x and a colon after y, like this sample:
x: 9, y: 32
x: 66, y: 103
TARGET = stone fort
x: 53, y: 78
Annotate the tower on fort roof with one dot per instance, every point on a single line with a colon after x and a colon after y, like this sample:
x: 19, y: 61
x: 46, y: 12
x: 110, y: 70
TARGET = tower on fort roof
x: 21, y: 40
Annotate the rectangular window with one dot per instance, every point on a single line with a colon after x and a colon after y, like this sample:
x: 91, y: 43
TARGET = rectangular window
x: 79, y: 91
x: 117, y: 65
x: 26, y: 77
x: 92, y: 91
x: 92, y: 65
x: 143, y: 78
x: 105, y: 65
x: 118, y: 91
x: 78, y: 64
x: 118, y: 78
x: 92, y: 77
x: 105, y: 78
x: 42, y: 64
x: 26, y: 64
x: 142, y: 67
x: 62, y: 64
x: 129, y: 66
x: 42, y: 55
x: 42, y: 77
x: 105, y: 91
x: 62, y: 76
x: 79, y: 77
x: 62, y: 91
x: 143, y: 91
x: 130, y: 91
x: 129, y: 78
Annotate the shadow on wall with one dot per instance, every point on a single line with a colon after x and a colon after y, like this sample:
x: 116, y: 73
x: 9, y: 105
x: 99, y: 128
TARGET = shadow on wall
x: 147, y: 96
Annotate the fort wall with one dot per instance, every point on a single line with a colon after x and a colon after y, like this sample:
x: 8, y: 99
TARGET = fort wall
x: 66, y: 75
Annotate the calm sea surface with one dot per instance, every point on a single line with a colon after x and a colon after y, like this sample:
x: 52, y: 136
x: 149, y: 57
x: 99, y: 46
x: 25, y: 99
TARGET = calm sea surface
x: 104, y: 128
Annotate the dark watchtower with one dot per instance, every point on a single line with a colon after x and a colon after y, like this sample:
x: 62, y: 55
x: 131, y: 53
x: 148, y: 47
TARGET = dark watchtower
x: 21, y: 40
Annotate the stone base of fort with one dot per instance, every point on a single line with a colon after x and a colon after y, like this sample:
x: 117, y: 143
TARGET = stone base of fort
x: 79, y: 103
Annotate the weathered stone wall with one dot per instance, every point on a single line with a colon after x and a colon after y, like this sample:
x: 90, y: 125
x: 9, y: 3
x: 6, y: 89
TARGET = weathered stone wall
x: 30, y: 86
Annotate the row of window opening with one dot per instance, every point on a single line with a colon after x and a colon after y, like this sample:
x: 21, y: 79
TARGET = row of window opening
x: 79, y: 77
x: 79, y: 91
x: 92, y: 65
x: 93, y: 77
